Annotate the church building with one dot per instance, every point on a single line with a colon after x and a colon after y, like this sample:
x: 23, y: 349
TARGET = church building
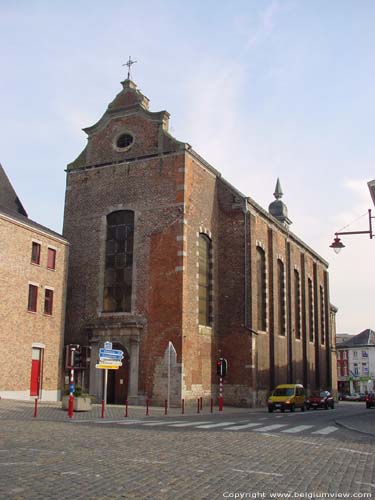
x: 178, y: 268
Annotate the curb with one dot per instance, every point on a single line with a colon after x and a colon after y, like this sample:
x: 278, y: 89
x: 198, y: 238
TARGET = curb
x: 349, y: 428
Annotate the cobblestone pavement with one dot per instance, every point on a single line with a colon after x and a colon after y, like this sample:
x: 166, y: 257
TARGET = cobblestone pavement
x: 42, y: 458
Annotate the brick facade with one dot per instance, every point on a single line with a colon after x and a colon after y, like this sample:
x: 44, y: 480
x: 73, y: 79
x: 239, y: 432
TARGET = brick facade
x: 176, y: 196
x: 24, y: 335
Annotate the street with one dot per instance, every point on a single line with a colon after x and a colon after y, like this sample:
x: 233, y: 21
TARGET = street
x: 206, y: 456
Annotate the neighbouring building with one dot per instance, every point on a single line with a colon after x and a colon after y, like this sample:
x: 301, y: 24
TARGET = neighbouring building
x: 33, y: 273
x: 356, y: 363
x: 178, y: 268
x: 342, y: 337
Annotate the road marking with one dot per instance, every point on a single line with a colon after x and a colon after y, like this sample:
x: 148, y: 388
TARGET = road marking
x: 269, y: 428
x: 239, y: 427
x: 258, y: 472
x: 366, y: 484
x: 354, y: 451
x: 163, y: 423
x: 19, y: 463
x: 299, y: 428
x: 189, y: 424
x: 121, y: 422
x: 144, y: 461
x: 326, y: 430
x: 210, y: 426
x: 307, y: 442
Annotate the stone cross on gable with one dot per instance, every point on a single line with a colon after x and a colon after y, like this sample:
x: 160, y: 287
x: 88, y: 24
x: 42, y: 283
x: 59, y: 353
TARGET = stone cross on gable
x: 129, y: 65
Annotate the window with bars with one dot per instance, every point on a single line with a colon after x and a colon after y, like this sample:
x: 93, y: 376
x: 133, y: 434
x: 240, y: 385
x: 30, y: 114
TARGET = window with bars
x: 33, y: 298
x: 261, y: 289
x: 119, y: 262
x: 311, y: 310
x: 35, y: 253
x: 281, y: 297
x: 297, y: 304
x: 48, y: 301
x: 51, y: 258
x: 205, y: 280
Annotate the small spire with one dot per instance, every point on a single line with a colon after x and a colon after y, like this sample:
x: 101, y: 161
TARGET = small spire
x: 129, y: 65
x: 278, y: 191
x: 278, y: 208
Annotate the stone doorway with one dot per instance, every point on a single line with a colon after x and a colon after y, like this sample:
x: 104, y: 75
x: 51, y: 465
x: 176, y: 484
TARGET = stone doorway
x: 118, y: 380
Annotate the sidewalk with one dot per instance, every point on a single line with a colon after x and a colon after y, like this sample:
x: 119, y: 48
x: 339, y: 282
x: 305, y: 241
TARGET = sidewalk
x: 52, y: 411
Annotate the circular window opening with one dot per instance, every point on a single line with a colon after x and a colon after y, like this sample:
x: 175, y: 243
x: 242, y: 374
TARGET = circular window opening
x: 124, y: 141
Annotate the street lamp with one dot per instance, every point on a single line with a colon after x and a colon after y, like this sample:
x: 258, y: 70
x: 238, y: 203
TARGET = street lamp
x: 337, y: 244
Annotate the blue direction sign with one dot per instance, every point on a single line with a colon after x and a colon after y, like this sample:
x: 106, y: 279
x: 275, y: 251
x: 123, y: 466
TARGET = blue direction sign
x: 114, y: 354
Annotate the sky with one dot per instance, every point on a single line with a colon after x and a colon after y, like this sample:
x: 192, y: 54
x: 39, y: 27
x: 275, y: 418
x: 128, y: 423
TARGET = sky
x: 260, y: 88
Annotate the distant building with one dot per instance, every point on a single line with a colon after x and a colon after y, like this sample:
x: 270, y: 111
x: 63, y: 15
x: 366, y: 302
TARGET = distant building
x: 33, y: 267
x: 178, y: 268
x: 343, y: 337
x: 356, y: 363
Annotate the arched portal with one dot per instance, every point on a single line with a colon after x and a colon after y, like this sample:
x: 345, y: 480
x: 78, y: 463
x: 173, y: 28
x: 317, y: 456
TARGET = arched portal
x: 118, y: 380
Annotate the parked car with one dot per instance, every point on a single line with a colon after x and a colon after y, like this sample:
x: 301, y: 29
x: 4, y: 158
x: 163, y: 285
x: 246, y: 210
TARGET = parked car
x: 370, y: 399
x: 322, y: 399
x: 352, y: 397
x: 287, y: 397
x: 362, y: 396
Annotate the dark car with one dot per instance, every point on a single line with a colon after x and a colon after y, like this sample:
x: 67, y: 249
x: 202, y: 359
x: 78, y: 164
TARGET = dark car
x: 370, y: 399
x: 322, y: 399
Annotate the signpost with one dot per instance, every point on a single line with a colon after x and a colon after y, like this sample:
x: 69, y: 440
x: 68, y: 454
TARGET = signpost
x: 71, y: 382
x: 109, y: 359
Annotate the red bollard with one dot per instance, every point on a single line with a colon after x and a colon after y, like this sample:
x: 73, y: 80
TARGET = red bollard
x: 71, y: 406
x: 147, y: 402
x: 36, y: 408
x: 212, y: 405
x: 201, y: 403
x: 102, y: 408
x: 198, y: 405
x: 221, y: 394
x: 126, y: 408
x: 182, y: 406
x: 165, y: 407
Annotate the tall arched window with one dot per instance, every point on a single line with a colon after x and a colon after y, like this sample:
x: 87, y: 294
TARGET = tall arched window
x: 205, y: 280
x: 119, y: 262
x: 322, y: 316
x: 261, y: 289
x: 281, y: 297
x: 311, y: 309
x: 297, y: 304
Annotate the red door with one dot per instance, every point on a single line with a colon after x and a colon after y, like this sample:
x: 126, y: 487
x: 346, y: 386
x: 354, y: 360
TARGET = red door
x: 35, y: 372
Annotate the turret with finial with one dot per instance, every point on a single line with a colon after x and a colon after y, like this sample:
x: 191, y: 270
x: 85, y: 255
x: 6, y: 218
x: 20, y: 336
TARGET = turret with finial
x: 278, y: 208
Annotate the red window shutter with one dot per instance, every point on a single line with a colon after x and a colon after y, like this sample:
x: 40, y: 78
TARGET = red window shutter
x: 48, y: 301
x: 35, y: 253
x: 51, y: 260
x: 33, y: 298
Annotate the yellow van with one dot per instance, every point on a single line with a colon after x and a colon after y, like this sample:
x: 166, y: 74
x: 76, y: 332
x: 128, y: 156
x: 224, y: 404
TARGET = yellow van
x: 287, y: 396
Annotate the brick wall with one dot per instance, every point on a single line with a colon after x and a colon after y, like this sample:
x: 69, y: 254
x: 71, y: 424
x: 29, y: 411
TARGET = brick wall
x: 21, y: 329
x: 176, y: 196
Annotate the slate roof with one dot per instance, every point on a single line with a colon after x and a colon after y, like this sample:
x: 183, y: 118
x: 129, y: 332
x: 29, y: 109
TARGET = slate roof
x: 8, y: 196
x: 11, y: 206
x: 365, y: 338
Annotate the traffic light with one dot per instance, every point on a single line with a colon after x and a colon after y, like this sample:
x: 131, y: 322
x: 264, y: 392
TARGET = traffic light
x: 77, y: 357
x: 222, y: 367
x: 70, y: 357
